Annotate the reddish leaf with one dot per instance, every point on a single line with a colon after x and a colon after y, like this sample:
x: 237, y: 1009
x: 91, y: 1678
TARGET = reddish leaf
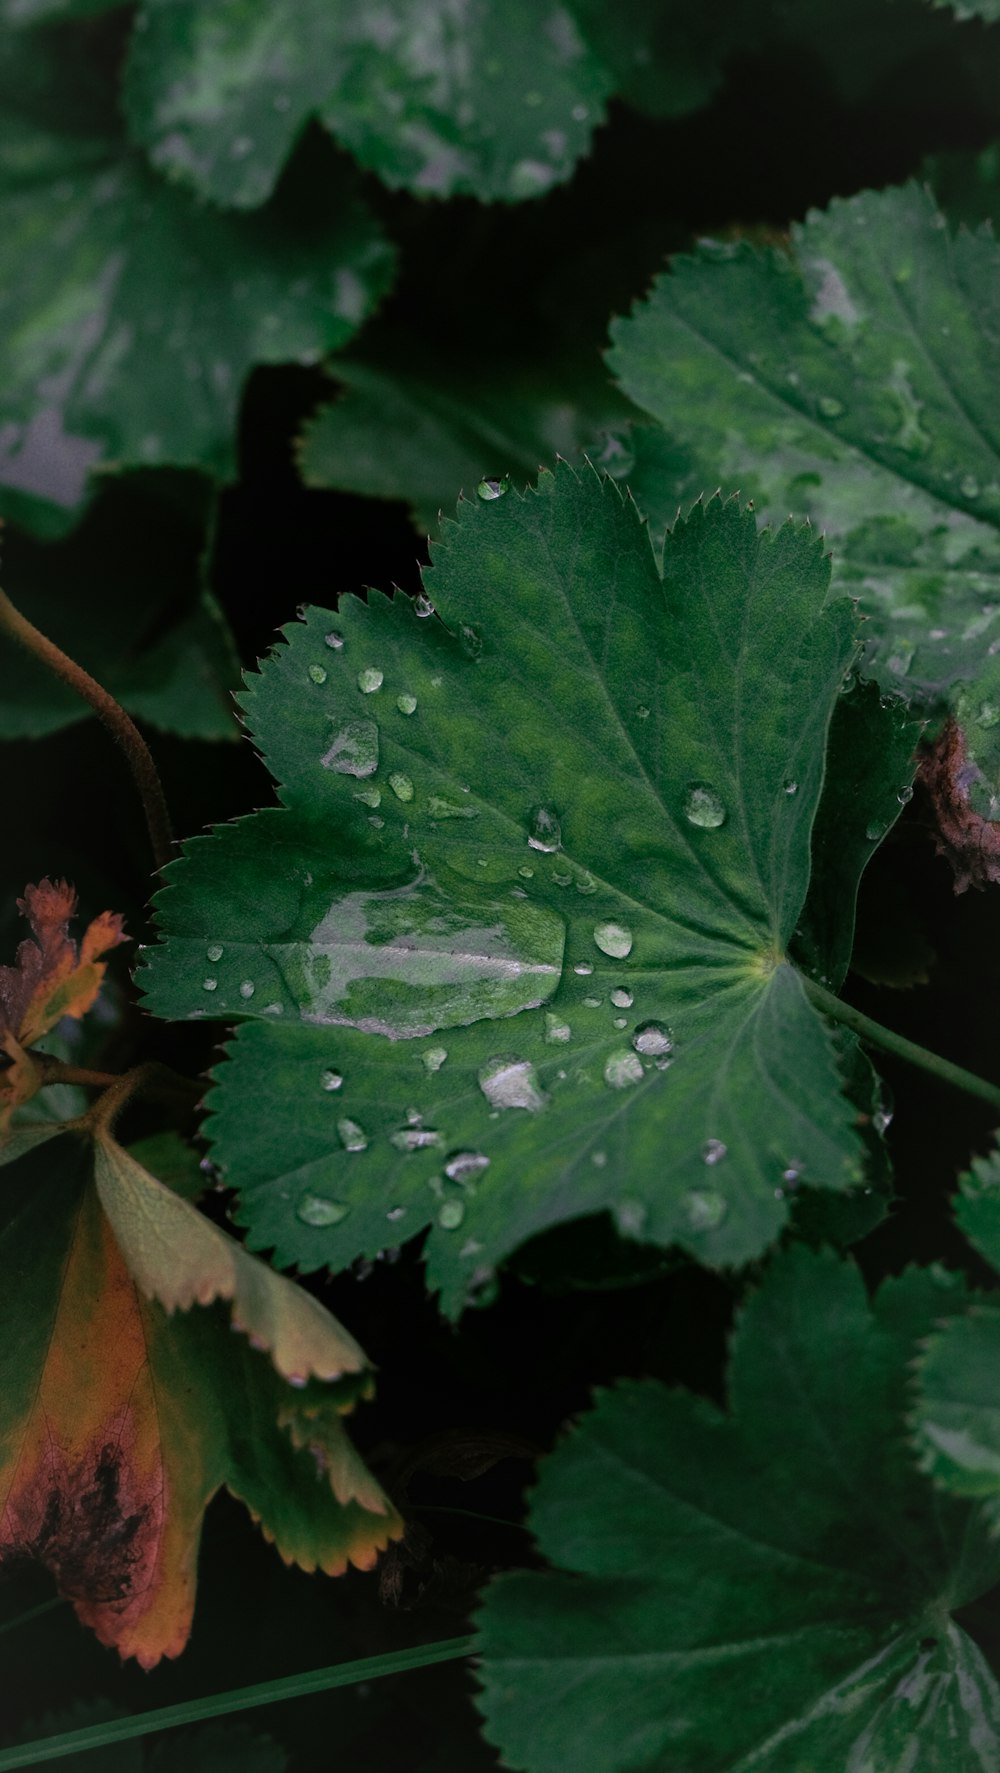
x: 970, y: 843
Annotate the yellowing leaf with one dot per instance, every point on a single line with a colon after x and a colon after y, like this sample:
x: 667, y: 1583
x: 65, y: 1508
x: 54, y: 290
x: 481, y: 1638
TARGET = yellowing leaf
x: 119, y: 1421
x: 179, y: 1257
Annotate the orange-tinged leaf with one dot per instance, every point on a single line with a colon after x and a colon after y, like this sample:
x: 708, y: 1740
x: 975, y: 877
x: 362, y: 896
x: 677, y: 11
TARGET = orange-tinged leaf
x: 120, y: 1421
x: 179, y: 1257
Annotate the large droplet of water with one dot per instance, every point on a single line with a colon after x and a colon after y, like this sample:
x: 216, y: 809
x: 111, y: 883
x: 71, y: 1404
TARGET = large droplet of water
x: 331, y: 1080
x: 371, y: 678
x: 703, y: 807
x: 406, y: 704
x: 435, y: 1057
x: 713, y: 1151
x: 414, y: 1138
x: 653, y: 1039
x: 613, y: 939
x: 401, y: 785
x: 450, y: 1214
x: 545, y: 833
x: 354, y: 751
x: 493, y: 487
x: 704, y: 1209
x: 509, y: 1082
x: 463, y: 1166
x: 623, y: 1068
x: 317, y: 1210
x: 351, y: 1136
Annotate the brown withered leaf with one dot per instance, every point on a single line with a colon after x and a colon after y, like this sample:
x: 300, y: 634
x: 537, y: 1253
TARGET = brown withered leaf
x: 970, y: 843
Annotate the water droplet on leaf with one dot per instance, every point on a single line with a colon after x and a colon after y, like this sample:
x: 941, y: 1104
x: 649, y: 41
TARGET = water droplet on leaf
x: 316, y: 1210
x: 622, y: 1068
x: 209, y: 984
x: 450, y: 1214
x: 613, y: 939
x: 215, y: 952
x: 371, y: 678
x: 875, y: 830
x: 334, y: 640
x: 317, y: 673
x: 703, y: 807
x: 422, y: 606
x: 555, y: 1028
x: 621, y: 998
x: 401, y: 786
x: 354, y: 751
x: 464, y: 1165
x: 653, y: 1039
x: 247, y: 988
x: 331, y: 1080
x: 830, y: 407
x: 545, y: 833
x: 704, y: 1209
x: 406, y: 704
x: 435, y: 1057
x: 493, y: 488
x: 351, y: 1136
x: 713, y: 1151
x: 509, y: 1082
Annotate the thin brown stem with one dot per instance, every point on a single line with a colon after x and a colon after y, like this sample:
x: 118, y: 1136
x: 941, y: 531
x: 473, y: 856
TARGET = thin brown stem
x: 164, y: 1083
x: 151, y: 1079
x: 114, y: 717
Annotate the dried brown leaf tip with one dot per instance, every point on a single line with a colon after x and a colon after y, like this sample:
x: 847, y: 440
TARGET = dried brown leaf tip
x: 51, y: 978
x: 970, y: 842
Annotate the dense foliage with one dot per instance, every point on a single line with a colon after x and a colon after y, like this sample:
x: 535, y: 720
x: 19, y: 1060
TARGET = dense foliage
x: 572, y: 974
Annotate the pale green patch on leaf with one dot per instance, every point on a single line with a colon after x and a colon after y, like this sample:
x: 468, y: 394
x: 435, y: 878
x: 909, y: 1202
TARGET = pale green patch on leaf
x: 129, y: 317
x: 854, y: 380
x: 769, y: 1588
x: 499, y: 102
x: 560, y: 874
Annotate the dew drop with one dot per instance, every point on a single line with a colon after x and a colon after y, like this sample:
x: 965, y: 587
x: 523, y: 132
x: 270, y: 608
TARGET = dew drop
x: 831, y: 408
x: 369, y: 796
x: 317, y: 673
x: 215, y: 952
x: 331, y: 1080
x: 561, y: 880
x: 401, y: 786
x: 435, y: 1057
x: 316, y: 1210
x: 545, y: 833
x: 882, y: 1120
x: 334, y: 640
x: 395, y: 1214
x: 792, y: 1175
x: 704, y: 1209
x: 593, y: 1003
x: 703, y: 807
x: 210, y: 984
x: 354, y: 751
x: 450, y: 1214
x: 875, y: 830
x: 599, y: 1159
x: 989, y: 715
x: 621, y: 1022
x: 462, y: 1166
x: 905, y: 794
x: 274, y: 1009
x: 556, y: 1029
x: 622, y: 999
x: 642, y: 712
x: 422, y: 606
x: 371, y: 678
x: 247, y: 988
x: 526, y: 873
x: 585, y: 883
x: 406, y: 704
x: 351, y: 1136
x: 623, y: 1068
x: 493, y: 488
x: 584, y: 969
x: 613, y: 939
x: 653, y: 1039
x: 791, y: 787
x: 509, y: 1082
x: 414, y: 1138
x: 631, y: 1216
x: 439, y: 808
x: 713, y: 1151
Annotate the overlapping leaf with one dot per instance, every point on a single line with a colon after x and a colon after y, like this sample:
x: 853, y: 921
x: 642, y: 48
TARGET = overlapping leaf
x: 124, y: 1411
x: 128, y: 316
x: 957, y: 1423
x: 855, y: 380
x: 770, y: 1588
x: 513, y: 950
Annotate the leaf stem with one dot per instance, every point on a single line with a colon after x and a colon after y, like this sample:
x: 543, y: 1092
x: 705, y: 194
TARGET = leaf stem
x: 193, y: 1711
x: 114, y: 717
x: 164, y: 1083
x: 890, y: 1042
x: 153, y: 1078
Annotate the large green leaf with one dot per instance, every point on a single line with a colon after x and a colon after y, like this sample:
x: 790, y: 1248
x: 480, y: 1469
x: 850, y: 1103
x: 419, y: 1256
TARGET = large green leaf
x: 129, y: 317
x: 584, y: 795
x: 854, y: 380
x: 766, y: 1589
x: 124, y: 596
x: 471, y: 96
x: 957, y: 1423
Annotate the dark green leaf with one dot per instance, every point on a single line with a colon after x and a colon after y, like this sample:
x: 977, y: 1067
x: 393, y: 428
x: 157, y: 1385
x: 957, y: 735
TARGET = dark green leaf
x: 855, y: 380
x: 769, y: 1588
x: 585, y: 789
x: 496, y: 101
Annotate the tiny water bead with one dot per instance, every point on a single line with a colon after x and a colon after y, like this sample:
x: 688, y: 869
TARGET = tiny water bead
x: 406, y: 704
x: 526, y: 873
x: 422, y: 606
x: 623, y: 1068
x: 434, y: 1058
x: 450, y: 1214
x: 351, y: 1136
x: 621, y: 1022
x: 247, y: 988
x: 584, y: 969
x: 371, y: 678
x: 876, y: 830
x: 439, y: 808
x: 704, y: 1209
x: 316, y: 1210
x: 415, y: 1138
x: 904, y: 795
x: 331, y: 1080
x: 493, y: 487
x: 462, y: 1166
x: 622, y: 999
x: 560, y: 879
x: 545, y: 833
x: 713, y: 1151
x: 585, y: 883
x: 632, y: 1216
x: 613, y: 939
x: 317, y: 673
x: 653, y: 1039
x: 593, y: 1003
x: 334, y: 640
x: 215, y: 952
x: 791, y: 787
x: 401, y: 786
x: 556, y: 1029
x: 210, y: 984
x: 703, y: 807
x: 830, y: 407
x: 369, y: 796
x: 395, y: 1214
x: 509, y: 1082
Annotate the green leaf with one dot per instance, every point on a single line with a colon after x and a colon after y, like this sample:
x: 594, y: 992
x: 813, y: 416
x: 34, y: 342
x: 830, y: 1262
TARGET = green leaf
x: 41, y: 12
x: 579, y: 763
x: 498, y: 102
x: 769, y: 1588
x: 409, y: 425
x: 667, y: 57
x: 957, y: 1421
x: 125, y: 596
x: 129, y: 317
x: 987, y: 10
x: 855, y: 380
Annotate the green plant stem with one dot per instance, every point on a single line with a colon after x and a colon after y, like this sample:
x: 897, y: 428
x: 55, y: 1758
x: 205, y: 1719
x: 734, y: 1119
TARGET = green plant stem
x: 877, y: 1036
x: 31, y: 1613
x: 114, y: 717
x: 195, y: 1711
